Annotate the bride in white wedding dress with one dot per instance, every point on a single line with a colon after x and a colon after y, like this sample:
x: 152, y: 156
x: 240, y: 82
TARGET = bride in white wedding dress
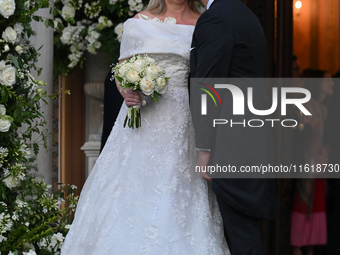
x: 143, y: 195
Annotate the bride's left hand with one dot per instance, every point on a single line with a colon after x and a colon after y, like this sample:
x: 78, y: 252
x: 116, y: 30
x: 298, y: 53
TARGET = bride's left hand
x: 132, y: 98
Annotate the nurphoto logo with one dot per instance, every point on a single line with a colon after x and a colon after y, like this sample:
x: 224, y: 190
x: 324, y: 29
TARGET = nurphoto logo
x: 241, y: 98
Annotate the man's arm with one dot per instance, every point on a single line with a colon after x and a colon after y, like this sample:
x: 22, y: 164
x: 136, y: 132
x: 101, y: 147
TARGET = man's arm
x: 214, y: 47
x: 203, y: 160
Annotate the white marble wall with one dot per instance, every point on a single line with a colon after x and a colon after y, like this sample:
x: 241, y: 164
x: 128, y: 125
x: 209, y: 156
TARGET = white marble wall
x: 45, y: 37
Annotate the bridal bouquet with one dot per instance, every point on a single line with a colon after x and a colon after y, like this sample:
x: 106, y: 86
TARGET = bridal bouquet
x: 142, y: 74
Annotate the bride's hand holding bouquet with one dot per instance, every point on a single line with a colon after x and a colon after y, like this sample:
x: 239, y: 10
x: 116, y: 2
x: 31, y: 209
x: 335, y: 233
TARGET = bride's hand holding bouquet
x: 141, y: 74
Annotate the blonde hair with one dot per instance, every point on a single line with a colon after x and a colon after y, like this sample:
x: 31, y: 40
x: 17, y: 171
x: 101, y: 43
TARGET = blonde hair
x: 158, y: 7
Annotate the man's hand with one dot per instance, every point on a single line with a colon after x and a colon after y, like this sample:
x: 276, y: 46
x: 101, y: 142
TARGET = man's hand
x: 203, y: 160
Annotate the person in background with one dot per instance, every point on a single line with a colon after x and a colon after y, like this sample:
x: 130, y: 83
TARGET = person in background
x: 308, y: 221
x: 112, y: 103
x: 332, y: 138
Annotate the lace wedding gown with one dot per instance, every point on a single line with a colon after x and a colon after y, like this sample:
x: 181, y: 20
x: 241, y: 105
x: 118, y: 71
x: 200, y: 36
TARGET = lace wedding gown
x: 143, y: 195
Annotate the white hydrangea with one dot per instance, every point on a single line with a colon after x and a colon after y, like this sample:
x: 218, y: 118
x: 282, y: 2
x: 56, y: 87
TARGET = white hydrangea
x: 71, y: 34
x: 2, y: 112
x: 2, y: 65
x: 20, y: 203
x: 27, y: 4
x: 19, y: 28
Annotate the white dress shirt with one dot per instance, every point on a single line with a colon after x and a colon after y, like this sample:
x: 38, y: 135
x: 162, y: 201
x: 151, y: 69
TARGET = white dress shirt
x: 209, y: 3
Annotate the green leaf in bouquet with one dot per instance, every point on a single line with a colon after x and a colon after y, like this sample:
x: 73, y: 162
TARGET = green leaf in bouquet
x: 132, y: 116
x: 126, y: 118
x: 157, y: 94
x: 119, y: 78
x: 155, y: 98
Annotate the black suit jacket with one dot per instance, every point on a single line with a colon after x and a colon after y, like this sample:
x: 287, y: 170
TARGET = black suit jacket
x: 228, y: 42
x: 112, y: 103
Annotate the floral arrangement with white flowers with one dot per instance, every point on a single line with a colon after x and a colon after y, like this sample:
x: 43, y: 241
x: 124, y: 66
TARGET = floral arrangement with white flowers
x: 31, y: 221
x: 142, y: 74
x: 88, y: 26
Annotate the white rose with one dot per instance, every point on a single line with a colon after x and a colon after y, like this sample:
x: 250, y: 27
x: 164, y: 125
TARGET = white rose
x: 68, y: 11
x: 123, y: 70
x: 2, y: 65
x: 9, y: 35
x: 152, y: 71
x: 138, y: 1
x: 147, y: 86
x: 7, y: 8
x: 6, y: 48
x: 113, y: 1
x: 109, y: 23
x: 170, y: 20
x: 161, y: 84
x: 4, y: 124
x: 18, y: 27
x: 139, y: 64
x: 19, y: 49
x: 7, y: 76
x: 2, y: 109
x: 132, y: 76
x: 119, y: 29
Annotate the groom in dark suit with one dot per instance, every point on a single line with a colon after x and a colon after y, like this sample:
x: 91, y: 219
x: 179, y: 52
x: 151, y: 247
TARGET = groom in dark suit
x: 229, y: 42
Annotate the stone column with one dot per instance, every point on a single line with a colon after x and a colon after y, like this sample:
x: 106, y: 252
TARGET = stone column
x: 96, y: 71
x: 44, y: 37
